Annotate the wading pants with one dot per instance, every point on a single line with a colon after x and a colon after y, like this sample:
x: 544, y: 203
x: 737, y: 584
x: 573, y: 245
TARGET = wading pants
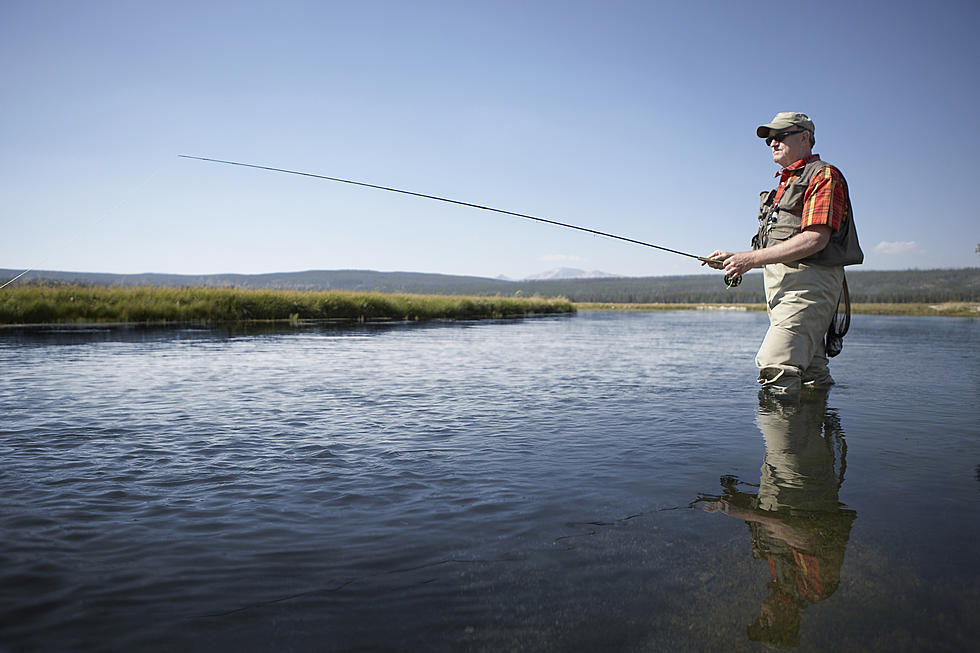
x: 801, y: 300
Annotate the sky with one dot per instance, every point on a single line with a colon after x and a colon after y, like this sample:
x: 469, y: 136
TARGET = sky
x: 632, y: 118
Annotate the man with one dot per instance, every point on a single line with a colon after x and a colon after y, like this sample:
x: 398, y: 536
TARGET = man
x: 806, y: 235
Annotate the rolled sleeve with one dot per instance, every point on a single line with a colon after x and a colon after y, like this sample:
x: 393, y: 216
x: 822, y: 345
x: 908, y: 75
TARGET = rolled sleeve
x: 825, y: 200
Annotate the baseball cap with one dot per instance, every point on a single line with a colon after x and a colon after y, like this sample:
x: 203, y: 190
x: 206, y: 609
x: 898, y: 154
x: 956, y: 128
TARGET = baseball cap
x: 785, y: 120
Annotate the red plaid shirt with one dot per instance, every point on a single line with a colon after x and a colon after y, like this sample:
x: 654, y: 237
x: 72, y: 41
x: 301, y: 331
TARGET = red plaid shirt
x: 825, y: 199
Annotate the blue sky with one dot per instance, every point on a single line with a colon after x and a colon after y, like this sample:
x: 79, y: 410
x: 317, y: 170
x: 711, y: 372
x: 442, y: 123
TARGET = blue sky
x: 634, y: 118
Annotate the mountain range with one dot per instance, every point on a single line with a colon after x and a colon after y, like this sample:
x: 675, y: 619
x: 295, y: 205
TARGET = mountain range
x: 940, y: 285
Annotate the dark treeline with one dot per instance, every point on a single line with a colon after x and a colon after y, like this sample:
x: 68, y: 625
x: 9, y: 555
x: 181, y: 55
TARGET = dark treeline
x: 871, y: 286
x: 959, y: 285
x: 898, y: 286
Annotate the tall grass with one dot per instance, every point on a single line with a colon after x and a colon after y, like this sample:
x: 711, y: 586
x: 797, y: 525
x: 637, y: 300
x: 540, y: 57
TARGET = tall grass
x: 39, y: 304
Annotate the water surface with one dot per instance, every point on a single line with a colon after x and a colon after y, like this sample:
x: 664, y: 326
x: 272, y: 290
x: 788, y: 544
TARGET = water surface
x: 599, y: 482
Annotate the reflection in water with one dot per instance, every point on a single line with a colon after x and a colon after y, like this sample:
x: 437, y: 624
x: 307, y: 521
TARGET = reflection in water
x: 797, y: 522
x: 369, y: 487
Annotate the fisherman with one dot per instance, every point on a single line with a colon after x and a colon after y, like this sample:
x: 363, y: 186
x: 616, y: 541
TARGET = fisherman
x: 806, y: 236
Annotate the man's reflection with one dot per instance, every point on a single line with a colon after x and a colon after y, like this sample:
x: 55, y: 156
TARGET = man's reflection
x: 796, y: 520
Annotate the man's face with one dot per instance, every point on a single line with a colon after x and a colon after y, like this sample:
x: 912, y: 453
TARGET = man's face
x: 789, y: 145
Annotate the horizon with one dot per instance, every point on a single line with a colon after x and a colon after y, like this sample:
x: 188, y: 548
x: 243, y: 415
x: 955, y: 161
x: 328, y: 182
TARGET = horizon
x: 13, y: 272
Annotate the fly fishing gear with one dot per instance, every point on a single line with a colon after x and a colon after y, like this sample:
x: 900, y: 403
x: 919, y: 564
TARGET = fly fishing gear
x: 731, y: 280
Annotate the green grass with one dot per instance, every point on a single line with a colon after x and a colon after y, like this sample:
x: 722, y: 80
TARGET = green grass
x: 59, y: 304
x: 40, y: 304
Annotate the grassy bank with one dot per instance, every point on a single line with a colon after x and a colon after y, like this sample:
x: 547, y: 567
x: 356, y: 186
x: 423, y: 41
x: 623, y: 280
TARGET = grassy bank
x: 947, y: 309
x: 146, y: 304
x: 59, y: 304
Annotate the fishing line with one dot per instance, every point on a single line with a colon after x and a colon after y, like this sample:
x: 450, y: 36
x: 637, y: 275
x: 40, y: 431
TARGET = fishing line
x: 730, y: 280
x: 16, y: 278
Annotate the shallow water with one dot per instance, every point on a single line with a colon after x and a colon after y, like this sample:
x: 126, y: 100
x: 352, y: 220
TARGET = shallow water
x: 599, y: 482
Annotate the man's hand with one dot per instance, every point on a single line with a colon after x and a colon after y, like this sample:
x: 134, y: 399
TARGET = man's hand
x: 717, y: 259
x: 732, y: 263
x: 741, y: 262
x: 809, y: 241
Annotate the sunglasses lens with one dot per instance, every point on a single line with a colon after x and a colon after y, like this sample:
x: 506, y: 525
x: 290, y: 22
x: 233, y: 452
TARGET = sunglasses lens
x: 781, y: 137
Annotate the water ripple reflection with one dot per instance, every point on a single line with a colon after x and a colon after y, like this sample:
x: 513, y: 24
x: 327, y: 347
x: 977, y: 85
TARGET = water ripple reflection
x: 486, y: 486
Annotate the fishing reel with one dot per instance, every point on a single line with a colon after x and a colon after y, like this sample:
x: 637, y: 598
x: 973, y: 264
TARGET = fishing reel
x: 732, y: 280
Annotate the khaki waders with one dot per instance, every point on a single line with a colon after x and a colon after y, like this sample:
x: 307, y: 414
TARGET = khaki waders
x: 801, y: 300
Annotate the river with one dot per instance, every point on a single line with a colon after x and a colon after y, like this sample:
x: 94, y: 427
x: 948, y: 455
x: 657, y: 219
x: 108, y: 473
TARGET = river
x: 605, y: 481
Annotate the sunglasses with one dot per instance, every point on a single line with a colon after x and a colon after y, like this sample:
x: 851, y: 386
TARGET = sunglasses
x: 782, y: 136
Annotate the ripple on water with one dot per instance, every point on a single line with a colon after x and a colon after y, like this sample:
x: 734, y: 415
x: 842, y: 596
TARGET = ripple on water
x: 486, y: 486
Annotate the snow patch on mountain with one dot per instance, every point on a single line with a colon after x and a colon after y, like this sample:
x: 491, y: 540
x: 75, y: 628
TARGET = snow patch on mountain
x: 570, y: 273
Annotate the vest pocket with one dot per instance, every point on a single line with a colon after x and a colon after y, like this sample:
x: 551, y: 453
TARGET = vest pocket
x: 779, y: 232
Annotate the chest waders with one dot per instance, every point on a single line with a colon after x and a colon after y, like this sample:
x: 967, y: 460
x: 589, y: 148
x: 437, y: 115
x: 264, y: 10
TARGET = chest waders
x: 780, y: 221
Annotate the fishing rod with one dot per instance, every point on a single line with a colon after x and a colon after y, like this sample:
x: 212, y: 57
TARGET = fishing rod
x: 731, y: 280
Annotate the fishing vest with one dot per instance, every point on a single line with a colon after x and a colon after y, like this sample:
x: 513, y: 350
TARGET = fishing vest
x: 779, y: 222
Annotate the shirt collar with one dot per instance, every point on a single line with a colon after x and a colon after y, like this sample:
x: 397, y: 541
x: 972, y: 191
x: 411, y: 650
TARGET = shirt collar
x: 793, y: 167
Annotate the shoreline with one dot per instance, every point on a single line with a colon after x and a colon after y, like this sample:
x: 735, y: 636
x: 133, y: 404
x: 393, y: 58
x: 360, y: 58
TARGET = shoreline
x: 936, y: 309
x: 205, y: 325
x: 947, y: 309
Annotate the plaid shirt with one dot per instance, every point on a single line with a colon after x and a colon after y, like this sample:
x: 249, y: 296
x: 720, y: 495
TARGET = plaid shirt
x: 825, y: 199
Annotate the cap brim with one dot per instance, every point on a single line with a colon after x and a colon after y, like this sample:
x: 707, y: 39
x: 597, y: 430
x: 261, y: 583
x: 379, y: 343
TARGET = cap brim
x: 763, y: 130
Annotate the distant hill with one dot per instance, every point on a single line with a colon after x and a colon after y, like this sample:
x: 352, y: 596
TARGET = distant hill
x: 866, y: 285
x: 360, y: 280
